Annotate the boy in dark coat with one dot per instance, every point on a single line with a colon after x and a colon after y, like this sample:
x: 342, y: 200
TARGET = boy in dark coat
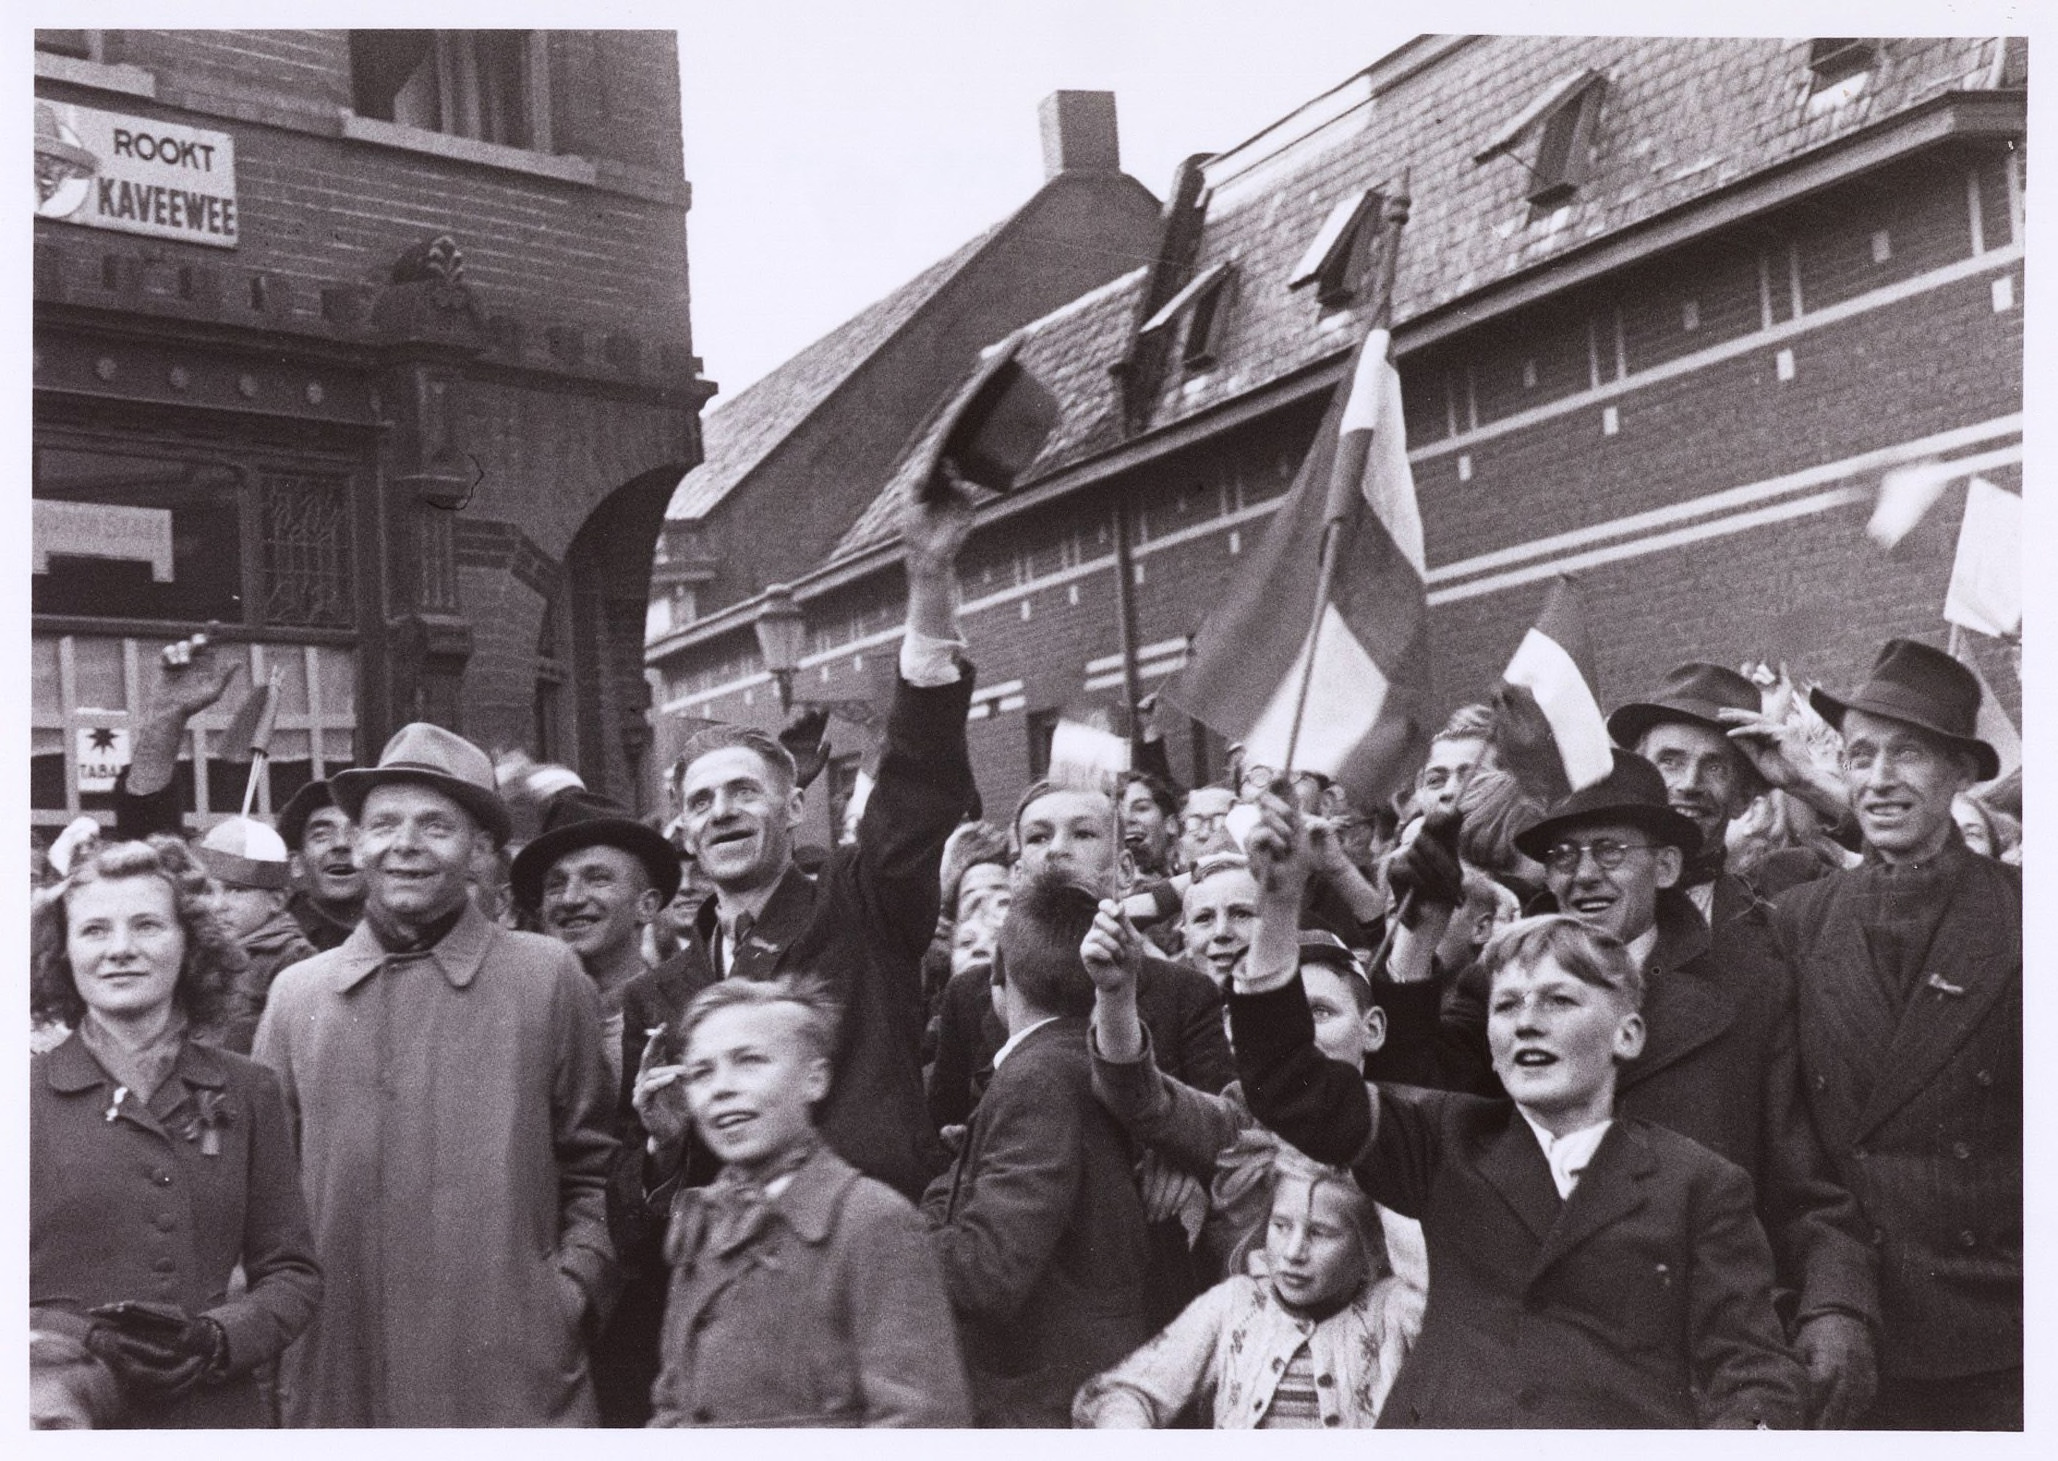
x: 803, y: 1293
x: 1585, y: 1269
x: 1039, y: 1223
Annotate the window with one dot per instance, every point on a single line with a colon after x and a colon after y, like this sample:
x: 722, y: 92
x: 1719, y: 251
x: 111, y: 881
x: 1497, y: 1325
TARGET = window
x: 138, y: 534
x: 1832, y: 59
x: 1564, y: 121
x: 489, y: 85
x: 547, y: 707
x: 1042, y: 724
x: 1338, y: 262
x: 1204, y: 302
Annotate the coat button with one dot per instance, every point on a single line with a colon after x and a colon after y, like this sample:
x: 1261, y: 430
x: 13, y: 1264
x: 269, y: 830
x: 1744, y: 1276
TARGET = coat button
x: 171, y: 1265
x: 1332, y: 1420
x: 703, y: 1415
x: 1822, y: 1083
x: 1258, y: 1404
x: 1278, y: 1363
x: 1983, y: 1078
x: 1325, y: 1379
x: 1967, y: 1240
x: 161, y: 1177
x: 166, y: 1222
x: 1961, y: 1150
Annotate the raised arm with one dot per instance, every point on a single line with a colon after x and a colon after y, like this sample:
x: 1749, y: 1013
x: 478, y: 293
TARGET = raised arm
x: 924, y: 783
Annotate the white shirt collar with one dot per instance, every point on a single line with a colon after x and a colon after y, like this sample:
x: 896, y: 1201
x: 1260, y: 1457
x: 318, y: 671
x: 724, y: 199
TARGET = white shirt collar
x: 1640, y: 947
x: 1570, y: 1153
x: 1017, y: 1038
x: 1703, y: 895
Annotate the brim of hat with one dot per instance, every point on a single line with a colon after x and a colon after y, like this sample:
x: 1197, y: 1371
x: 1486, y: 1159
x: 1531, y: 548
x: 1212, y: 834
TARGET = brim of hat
x: 350, y: 788
x: 1831, y: 708
x: 659, y: 858
x: 295, y: 815
x: 1631, y: 723
x: 242, y: 872
x: 1662, y: 823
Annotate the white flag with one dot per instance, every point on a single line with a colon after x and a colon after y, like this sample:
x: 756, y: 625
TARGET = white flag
x: 1986, y: 579
x: 1905, y: 494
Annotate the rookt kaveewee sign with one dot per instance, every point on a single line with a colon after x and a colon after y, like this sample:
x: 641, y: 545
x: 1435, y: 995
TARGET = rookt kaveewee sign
x: 135, y: 175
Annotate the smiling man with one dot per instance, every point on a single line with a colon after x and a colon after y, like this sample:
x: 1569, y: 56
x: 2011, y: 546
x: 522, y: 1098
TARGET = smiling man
x: 445, y: 1080
x: 1910, y: 976
x: 1718, y: 1063
x: 328, y: 893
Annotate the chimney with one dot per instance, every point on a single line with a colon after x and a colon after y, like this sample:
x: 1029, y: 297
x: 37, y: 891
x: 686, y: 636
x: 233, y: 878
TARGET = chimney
x: 1079, y: 132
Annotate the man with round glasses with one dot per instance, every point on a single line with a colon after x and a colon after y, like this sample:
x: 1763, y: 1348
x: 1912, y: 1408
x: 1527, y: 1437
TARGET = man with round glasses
x: 1719, y: 1062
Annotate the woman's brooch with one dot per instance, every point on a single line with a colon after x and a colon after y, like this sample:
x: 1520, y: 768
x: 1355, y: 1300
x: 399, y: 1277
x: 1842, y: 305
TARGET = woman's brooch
x: 211, y: 1113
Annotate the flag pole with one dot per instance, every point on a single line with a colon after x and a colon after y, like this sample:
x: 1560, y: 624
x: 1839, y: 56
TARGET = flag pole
x: 1394, y: 216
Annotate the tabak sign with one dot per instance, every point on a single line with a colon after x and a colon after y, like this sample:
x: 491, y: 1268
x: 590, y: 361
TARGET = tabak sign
x: 135, y: 175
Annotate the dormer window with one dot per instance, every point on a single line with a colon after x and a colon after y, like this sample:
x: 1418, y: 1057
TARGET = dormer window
x: 1204, y: 303
x: 1563, y: 123
x: 1338, y: 261
x: 1839, y: 68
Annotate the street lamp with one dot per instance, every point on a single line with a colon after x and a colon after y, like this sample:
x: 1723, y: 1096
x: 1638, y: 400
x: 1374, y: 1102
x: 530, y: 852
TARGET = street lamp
x: 781, y: 632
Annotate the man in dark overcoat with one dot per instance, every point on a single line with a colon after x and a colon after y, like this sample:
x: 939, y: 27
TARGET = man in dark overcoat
x: 1910, y: 976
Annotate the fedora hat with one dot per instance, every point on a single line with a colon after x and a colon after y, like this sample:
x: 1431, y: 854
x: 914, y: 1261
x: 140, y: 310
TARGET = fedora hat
x: 1919, y: 685
x: 431, y: 756
x: 579, y: 818
x: 1696, y: 694
x: 293, y: 817
x: 1632, y: 793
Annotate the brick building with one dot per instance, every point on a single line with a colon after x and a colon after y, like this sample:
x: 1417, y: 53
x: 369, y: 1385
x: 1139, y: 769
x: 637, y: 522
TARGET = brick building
x: 1666, y: 309
x: 373, y: 347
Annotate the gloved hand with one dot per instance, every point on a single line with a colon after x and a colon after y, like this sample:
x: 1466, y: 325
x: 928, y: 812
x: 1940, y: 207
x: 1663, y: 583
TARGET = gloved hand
x: 1428, y: 866
x: 1843, y: 1371
x: 805, y: 737
x: 157, y: 1348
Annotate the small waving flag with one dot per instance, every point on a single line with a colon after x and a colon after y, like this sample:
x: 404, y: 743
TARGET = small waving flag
x: 1986, y: 578
x: 1342, y: 686
x: 1550, y: 731
x: 1906, y: 494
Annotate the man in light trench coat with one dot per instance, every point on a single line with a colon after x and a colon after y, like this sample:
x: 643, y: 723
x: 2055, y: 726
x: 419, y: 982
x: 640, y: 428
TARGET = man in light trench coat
x: 446, y: 1081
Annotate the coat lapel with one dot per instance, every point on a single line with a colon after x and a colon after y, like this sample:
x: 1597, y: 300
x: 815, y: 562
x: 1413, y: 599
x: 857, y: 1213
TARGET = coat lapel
x: 1974, y: 960
x: 1846, y: 1022
x: 1514, y: 1164
x: 1610, y: 1188
x: 1685, y: 1005
x: 777, y: 925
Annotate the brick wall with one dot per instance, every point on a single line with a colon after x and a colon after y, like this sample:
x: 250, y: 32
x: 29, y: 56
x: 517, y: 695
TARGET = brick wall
x: 1943, y: 355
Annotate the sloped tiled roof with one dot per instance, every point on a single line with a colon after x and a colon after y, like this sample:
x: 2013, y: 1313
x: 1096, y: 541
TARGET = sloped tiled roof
x: 1681, y: 118
x: 742, y: 433
x: 1069, y: 350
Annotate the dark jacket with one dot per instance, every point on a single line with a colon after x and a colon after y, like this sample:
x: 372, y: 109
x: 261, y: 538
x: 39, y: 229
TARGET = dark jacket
x: 1042, y: 1235
x: 318, y: 924
x: 274, y: 945
x: 1179, y: 1005
x: 831, y: 1312
x: 1644, y: 1299
x: 136, y: 1208
x: 1922, y: 1110
x: 1720, y: 1064
x: 863, y: 925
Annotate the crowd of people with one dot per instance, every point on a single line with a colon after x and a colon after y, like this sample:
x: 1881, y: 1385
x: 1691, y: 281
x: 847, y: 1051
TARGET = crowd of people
x: 463, y: 1097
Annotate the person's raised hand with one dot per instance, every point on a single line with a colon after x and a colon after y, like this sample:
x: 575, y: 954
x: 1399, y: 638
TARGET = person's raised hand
x: 659, y: 1094
x: 1112, y: 949
x: 1843, y: 1372
x: 1278, y: 845
x: 193, y: 673
x: 1427, y: 866
x: 806, y: 738
x: 1776, y: 746
x: 935, y: 524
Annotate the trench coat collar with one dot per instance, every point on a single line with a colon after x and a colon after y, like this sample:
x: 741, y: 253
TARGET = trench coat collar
x: 71, y: 1068
x: 458, y: 956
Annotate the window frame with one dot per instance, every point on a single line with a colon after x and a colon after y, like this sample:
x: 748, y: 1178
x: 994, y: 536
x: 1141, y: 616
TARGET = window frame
x: 459, y: 104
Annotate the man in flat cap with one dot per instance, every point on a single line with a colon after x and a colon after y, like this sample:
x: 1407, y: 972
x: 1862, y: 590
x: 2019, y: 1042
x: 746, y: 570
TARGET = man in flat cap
x: 1909, y: 969
x: 453, y: 1112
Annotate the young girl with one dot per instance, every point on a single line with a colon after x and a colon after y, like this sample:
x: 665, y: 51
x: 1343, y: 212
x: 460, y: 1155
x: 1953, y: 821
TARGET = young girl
x: 1312, y: 1338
